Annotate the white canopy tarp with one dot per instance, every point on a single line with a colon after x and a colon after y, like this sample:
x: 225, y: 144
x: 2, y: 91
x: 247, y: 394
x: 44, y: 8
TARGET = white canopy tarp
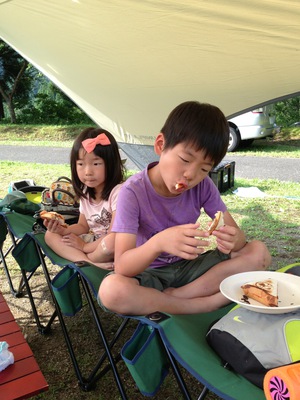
x: 128, y: 63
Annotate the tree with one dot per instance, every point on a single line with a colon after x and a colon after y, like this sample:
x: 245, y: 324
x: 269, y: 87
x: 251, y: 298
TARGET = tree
x: 288, y: 111
x: 14, y: 74
x: 30, y: 97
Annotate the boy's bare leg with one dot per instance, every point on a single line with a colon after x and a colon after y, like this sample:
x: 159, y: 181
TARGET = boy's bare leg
x: 119, y: 293
x: 253, y: 257
x: 125, y: 296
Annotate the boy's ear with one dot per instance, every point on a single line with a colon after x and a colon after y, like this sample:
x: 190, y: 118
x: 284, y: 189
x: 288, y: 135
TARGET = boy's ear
x: 159, y: 144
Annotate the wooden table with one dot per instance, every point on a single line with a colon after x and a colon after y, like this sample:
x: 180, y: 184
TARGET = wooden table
x: 23, y: 379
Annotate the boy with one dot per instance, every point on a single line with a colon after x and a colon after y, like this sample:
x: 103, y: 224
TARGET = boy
x: 161, y: 262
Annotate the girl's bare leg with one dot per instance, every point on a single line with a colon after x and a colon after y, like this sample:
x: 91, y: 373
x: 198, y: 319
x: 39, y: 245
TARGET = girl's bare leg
x: 54, y: 241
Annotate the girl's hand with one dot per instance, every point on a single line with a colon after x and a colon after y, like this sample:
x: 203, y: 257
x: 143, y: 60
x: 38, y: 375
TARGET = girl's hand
x: 185, y: 241
x: 73, y: 240
x: 54, y: 226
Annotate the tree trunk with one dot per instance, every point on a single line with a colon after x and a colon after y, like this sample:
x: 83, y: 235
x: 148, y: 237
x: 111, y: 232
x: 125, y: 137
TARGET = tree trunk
x: 11, y: 109
x: 1, y: 107
x: 8, y: 97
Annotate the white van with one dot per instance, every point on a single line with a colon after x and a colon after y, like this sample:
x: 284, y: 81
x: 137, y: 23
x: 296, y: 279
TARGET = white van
x: 252, y: 125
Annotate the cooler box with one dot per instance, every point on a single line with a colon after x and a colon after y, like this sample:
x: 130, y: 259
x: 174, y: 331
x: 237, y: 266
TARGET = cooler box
x: 223, y: 175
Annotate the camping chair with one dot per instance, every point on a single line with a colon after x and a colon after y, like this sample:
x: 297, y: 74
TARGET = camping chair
x: 66, y: 295
x: 182, y: 338
x: 16, y: 225
x: 16, y: 218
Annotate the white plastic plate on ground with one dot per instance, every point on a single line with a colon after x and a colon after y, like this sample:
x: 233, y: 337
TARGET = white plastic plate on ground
x: 288, y: 291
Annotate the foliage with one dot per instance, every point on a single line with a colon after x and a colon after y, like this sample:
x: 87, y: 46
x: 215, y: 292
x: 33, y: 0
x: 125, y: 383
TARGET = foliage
x: 30, y: 97
x: 15, y: 78
x: 288, y: 111
x: 54, y: 110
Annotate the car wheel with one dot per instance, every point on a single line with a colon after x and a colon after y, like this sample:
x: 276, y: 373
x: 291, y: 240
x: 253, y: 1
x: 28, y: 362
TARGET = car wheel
x: 234, y: 139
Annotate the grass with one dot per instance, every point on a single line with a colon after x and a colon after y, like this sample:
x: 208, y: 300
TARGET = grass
x: 274, y: 219
x: 284, y: 144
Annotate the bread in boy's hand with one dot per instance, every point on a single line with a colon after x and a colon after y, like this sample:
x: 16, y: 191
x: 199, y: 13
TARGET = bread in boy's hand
x: 217, y: 222
x: 52, y: 215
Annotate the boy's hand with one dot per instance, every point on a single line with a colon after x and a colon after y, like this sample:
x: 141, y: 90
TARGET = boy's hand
x: 185, y: 241
x: 227, y: 238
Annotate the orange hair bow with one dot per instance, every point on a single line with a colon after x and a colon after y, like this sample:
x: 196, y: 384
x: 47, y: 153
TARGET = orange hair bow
x: 90, y: 144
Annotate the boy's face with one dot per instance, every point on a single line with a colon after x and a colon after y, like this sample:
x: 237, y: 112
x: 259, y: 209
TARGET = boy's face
x: 181, y: 166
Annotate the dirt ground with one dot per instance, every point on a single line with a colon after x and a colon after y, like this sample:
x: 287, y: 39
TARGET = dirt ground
x: 51, y: 352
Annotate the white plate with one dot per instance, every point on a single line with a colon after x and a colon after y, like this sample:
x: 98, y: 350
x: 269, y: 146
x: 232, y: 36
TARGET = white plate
x: 288, y: 291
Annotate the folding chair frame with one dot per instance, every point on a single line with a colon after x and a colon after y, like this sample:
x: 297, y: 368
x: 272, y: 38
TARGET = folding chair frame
x: 86, y: 383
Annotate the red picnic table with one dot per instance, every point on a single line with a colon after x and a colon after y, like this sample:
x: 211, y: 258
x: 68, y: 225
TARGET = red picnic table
x: 23, y: 379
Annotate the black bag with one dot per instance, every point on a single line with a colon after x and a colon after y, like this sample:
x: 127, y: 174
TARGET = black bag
x: 24, y: 206
x: 59, y: 197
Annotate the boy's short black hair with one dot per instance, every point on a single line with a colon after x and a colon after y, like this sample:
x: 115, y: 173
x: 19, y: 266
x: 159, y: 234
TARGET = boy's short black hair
x: 200, y: 125
x: 114, y: 168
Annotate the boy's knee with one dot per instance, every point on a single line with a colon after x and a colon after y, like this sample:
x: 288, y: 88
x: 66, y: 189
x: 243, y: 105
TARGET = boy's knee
x: 259, y: 255
x: 111, y: 292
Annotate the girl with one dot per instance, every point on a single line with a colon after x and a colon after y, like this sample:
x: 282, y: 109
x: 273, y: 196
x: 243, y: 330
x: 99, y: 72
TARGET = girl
x: 97, y: 173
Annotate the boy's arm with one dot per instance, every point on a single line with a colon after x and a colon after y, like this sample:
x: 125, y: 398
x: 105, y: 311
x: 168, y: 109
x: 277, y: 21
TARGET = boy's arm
x: 184, y: 241
x: 129, y: 259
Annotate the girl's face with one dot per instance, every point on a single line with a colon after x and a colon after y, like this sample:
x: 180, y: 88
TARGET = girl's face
x: 91, y: 170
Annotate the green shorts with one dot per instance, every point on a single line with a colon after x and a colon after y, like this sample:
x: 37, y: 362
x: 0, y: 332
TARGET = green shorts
x: 181, y: 272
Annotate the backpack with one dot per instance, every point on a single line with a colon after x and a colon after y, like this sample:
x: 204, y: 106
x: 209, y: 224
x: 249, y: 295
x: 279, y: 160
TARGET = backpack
x: 59, y: 197
x: 253, y: 343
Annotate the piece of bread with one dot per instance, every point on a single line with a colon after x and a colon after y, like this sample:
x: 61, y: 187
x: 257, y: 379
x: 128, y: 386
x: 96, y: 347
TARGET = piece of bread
x: 217, y: 222
x: 265, y: 292
x: 179, y: 186
x: 52, y: 215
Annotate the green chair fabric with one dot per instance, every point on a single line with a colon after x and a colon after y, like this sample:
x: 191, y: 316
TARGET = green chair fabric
x: 66, y: 295
x: 66, y: 289
x: 146, y: 360
x: 185, y: 338
x: 16, y: 225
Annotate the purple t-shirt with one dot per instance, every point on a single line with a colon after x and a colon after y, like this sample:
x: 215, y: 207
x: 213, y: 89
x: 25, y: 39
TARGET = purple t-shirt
x: 143, y: 212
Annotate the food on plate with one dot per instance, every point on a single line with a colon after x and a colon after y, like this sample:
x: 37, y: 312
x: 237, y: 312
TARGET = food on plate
x: 217, y: 222
x: 179, y: 186
x: 52, y: 215
x: 265, y: 292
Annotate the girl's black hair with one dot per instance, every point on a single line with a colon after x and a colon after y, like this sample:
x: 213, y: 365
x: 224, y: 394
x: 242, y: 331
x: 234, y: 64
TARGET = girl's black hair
x: 201, y: 125
x: 114, y: 168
